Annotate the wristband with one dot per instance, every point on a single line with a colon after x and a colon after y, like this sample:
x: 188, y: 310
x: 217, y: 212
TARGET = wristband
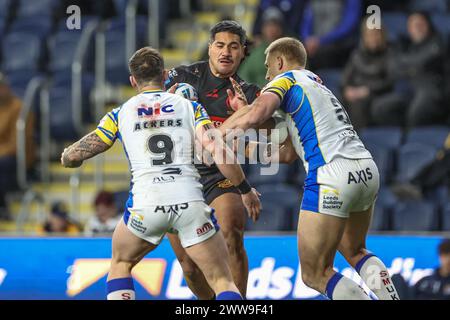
x: 244, y: 187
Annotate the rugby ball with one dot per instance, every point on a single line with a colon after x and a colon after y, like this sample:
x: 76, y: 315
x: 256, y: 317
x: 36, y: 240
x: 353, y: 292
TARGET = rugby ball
x: 186, y: 91
x: 280, y: 132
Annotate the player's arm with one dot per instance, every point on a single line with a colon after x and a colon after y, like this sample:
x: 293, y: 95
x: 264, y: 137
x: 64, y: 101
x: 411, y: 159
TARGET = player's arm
x: 211, y: 140
x: 86, y: 148
x: 94, y: 143
x: 254, y: 115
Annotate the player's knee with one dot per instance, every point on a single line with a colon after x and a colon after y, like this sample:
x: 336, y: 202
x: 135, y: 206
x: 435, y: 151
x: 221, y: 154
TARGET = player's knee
x: 234, y: 237
x: 313, y: 275
x: 190, y: 269
x: 122, y: 264
x: 353, y: 254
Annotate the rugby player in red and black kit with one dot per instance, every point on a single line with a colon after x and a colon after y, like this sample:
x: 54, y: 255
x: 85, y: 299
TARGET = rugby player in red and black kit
x: 227, y: 49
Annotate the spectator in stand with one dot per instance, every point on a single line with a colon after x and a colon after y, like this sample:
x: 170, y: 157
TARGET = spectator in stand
x: 437, y: 285
x: 106, y: 217
x: 58, y: 221
x: 327, y: 31
x: 367, y: 75
x: 292, y: 11
x: 433, y: 175
x: 419, y: 70
x: 10, y: 107
x: 252, y: 69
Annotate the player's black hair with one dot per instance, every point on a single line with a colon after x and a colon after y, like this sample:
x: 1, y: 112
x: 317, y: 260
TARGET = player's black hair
x: 444, y: 247
x: 234, y: 28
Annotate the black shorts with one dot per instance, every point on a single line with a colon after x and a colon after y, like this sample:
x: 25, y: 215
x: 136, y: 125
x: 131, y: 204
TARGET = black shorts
x: 214, y: 185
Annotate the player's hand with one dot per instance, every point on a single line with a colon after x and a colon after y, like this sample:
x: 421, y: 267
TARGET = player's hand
x: 173, y: 88
x: 252, y: 204
x: 237, y: 98
x: 69, y: 164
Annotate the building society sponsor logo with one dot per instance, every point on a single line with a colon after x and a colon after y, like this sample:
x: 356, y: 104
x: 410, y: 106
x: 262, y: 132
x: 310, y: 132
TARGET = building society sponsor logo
x: 136, y: 222
x: 330, y: 199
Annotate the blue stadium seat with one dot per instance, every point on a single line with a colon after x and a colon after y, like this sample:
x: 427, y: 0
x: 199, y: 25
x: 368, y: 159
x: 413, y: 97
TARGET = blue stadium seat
x: 415, y: 216
x: 332, y: 80
x: 62, y: 127
x: 256, y: 178
x: 37, y: 8
x: 116, y: 67
x: 439, y: 195
x: 21, y: 52
x: 281, y: 194
x: 62, y: 48
x: 19, y: 80
x: 388, y: 137
x: 63, y: 80
x: 380, y: 218
x: 384, y: 160
x: 272, y: 218
x: 5, y: 6
x: 442, y: 23
x: 429, y: 5
x: 120, y: 199
x: 386, y: 198
x: 39, y: 26
x: 413, y: 157
x: 85, y: 19
x: 446, y: 218
x: 395, y: 24
x: 433, y: 136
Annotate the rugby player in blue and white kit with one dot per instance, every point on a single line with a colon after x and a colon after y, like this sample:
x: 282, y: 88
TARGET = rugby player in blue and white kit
x: 158, y: 130
x: 342, y: 179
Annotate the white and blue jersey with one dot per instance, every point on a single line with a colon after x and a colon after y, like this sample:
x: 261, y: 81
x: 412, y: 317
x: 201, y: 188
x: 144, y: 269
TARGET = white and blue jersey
x: 319, y: 127
x: 157, y: 130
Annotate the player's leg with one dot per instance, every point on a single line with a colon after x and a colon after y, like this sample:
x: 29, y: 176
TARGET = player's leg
x: 318, y: 239
x: 371, y: 269
x: 231, y: 217
x: 127, y: 251
x: 212, y: 258
x: 192, y: 274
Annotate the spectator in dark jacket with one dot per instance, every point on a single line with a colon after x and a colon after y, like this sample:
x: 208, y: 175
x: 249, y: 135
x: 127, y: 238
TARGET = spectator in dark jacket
x: 327, y: 31
x: 367, y: 75
x: 437, y: 285
x: 419, y: 69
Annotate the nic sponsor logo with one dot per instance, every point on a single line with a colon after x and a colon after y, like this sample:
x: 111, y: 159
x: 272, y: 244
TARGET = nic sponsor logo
x: 156, y: 110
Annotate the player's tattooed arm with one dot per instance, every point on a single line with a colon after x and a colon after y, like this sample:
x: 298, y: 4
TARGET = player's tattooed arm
x: 86, y: 148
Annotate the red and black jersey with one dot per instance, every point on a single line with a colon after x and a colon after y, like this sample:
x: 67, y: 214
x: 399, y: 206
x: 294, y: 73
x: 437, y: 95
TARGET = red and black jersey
x: 212, y: 93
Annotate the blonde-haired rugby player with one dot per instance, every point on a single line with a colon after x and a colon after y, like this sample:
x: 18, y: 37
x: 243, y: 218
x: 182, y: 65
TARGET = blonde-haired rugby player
x: 342, y: 179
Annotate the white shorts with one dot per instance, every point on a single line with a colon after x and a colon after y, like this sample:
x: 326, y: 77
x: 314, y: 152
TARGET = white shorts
x: 341, y: 187
x: 193, y: 221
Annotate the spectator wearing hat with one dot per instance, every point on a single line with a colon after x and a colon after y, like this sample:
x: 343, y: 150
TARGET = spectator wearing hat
x: 106, y: 218
x: 437, y: 285
x: 10, y: 107
x: 58, y: 221
x: 252, y: 69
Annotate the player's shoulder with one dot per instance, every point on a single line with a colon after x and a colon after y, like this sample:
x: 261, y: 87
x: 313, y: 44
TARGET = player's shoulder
x: 193, y: 69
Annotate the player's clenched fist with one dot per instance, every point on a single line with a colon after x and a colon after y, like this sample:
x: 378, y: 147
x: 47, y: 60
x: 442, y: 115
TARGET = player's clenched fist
x: 252, y: 204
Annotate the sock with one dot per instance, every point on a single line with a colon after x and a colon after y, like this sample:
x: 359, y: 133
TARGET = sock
x: 376, y: 276
x: 228, y: 295
x: 121, y: 289
x: 342, y: 288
